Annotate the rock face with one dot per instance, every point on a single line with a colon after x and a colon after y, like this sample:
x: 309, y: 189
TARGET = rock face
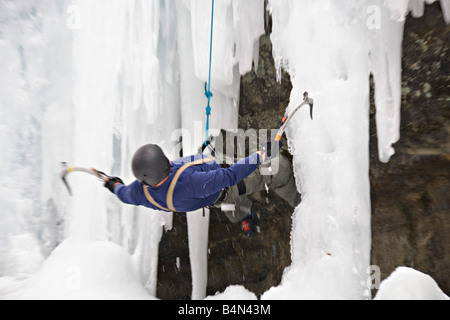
x: 410, y: 194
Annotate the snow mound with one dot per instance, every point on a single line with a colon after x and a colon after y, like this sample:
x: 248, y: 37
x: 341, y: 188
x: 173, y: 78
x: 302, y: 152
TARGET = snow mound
x: 409, y: 284
x: 74, y: 271
x: 234, y: 293
x: 316, y: 280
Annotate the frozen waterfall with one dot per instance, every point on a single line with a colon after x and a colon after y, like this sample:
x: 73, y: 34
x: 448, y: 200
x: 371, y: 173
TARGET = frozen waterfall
x: 89, y: 82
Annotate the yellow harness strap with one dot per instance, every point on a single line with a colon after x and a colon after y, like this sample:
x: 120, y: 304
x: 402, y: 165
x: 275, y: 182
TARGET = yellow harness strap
x: 172, y: 186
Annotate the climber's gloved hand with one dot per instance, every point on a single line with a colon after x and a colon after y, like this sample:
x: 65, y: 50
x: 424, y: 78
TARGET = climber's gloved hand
x: 111, y: 183
x: 271, y: 149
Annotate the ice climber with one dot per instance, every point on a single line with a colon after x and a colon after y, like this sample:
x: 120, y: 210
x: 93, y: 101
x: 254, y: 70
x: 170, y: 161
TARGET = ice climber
x: 196, y: 182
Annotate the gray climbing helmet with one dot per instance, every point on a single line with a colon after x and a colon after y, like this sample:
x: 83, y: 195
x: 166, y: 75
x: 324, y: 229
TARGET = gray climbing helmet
x: 150, y: 165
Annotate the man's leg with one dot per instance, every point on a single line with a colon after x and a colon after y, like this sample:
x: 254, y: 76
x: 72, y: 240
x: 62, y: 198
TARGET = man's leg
x: 243, y: 205
x: 283, y: 182
x: 243, y: 213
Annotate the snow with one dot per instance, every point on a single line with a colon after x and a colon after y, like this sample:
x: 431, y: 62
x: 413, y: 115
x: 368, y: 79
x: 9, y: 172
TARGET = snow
x: 409, y: 284
x: 234, y: 293
x: 89, y: 82
x: 83, y: 271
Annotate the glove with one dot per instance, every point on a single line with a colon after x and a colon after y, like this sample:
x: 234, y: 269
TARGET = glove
x: 110, y: 184
x: 271, y: 149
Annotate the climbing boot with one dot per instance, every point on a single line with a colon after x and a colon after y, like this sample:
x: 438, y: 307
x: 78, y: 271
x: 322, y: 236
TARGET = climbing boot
x: 250, y: 225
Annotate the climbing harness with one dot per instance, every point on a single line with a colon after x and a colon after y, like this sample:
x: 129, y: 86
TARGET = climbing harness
x: 169, y: 198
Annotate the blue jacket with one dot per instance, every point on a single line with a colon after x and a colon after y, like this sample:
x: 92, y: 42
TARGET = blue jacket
x: 198, y: 186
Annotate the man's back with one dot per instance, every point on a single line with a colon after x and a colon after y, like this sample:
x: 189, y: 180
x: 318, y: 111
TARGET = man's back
x: 198, y: 186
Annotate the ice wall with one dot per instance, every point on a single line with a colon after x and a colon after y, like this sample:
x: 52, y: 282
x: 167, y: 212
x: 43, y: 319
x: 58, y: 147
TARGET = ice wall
x: 324, y: 46
x: 36, y: 124
x: 330, y: 49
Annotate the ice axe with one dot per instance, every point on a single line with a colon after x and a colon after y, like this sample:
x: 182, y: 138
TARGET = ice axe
x: 66, y: 170
x: 288, y: 116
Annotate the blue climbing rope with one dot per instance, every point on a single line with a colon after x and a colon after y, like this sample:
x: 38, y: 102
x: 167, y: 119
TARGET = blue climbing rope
x: 208, y: 93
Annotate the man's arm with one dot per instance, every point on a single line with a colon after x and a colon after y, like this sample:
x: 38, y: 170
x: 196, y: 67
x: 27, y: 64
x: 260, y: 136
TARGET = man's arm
x: 126, y: 194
